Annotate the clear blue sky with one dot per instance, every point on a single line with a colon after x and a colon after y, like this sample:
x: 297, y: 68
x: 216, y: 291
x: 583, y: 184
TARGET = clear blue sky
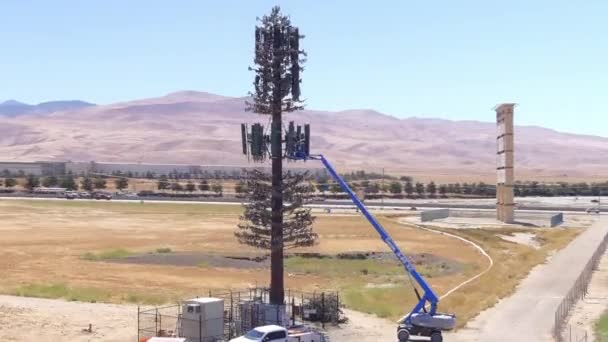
x: 448, y: 59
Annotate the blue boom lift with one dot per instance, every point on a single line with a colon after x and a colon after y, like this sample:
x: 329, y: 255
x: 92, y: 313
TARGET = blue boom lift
x: 420, y: 321
x: 423, y: 320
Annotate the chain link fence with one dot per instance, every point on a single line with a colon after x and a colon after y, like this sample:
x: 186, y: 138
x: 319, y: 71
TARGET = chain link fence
x: 242, y: 311
x: 574, y: 334
x: 561, y: 331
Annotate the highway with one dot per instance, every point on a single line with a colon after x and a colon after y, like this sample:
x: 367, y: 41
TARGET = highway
x: 480, y: 204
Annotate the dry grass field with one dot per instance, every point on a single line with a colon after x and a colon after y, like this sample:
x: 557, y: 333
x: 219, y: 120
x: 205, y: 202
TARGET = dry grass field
x: 101, y: 251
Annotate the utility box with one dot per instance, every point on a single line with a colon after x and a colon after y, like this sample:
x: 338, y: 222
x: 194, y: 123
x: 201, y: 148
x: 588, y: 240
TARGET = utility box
x: 202, y: 319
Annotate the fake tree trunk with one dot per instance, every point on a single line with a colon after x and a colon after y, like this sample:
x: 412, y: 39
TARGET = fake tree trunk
x: 276, y: 90
x: 277, y: 286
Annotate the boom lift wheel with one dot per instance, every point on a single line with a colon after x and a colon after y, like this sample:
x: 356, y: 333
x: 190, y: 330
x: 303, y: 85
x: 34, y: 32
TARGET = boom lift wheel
x: 403, y: 335
x: 436, y: 337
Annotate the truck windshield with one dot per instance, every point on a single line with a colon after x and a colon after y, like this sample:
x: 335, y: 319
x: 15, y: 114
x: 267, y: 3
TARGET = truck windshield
x: 254, y: 335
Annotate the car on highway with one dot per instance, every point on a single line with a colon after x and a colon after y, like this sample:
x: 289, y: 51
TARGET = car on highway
x: 71, y: 195
x: 84, y: 195
x: 102, y: 195
x: 592, y: 211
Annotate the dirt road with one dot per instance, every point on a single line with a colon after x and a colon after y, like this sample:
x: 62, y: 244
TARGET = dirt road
x: 529, y: 313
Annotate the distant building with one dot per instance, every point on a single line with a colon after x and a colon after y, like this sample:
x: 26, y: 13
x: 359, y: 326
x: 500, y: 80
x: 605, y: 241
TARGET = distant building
x: 33, y: 168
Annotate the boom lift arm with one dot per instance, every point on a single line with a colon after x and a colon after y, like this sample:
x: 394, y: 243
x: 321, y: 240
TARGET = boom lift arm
x: 418, y: 321
x: 429, y: 295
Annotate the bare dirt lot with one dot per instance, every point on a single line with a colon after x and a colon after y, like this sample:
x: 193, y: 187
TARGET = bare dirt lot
x: 29, y: 319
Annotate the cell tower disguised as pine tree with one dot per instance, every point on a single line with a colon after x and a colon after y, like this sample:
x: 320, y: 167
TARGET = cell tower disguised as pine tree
x: 278, y: 64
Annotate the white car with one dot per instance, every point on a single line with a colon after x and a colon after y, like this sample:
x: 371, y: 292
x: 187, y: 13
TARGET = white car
x: 84, y: 194
x: 592, y: 210
x: 71, y: 194
x: 267, y: 333
x: 275, y: 333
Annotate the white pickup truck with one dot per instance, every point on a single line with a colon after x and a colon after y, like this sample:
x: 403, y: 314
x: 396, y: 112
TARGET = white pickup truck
x: 275, y: 333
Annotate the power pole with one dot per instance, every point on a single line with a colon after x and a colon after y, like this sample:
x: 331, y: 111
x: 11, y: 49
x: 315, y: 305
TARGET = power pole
x: 382, y: 192
x: 599, y: 201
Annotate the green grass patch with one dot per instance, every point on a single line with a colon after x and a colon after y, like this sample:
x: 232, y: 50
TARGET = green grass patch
x: 203, y: 264
x: 340, y: 267
x: 59, y: 290
x: 367, y: 285
x: 119, y: 253
x: 384, y: 302
x: 601, y: 327
x: 164, y: 250
x: 145, y: 299
x: 112, y: 254
x: 86, y: 294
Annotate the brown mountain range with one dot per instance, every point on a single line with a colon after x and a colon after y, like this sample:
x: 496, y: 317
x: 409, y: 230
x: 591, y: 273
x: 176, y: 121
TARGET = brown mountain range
x: 201, y: 128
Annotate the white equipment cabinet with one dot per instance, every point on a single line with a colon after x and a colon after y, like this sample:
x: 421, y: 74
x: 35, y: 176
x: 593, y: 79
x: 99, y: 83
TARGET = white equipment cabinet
x: 202, y: 319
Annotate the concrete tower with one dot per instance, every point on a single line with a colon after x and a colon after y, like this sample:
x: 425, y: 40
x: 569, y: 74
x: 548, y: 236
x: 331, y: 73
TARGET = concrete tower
x: 505, y: 206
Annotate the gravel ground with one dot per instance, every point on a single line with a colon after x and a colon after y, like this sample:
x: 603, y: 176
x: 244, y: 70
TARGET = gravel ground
x: 528, y: 239
x: 28, y: 319
x: 363, y: 328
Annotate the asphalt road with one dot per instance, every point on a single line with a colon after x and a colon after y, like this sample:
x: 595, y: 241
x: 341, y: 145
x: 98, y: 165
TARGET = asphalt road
x: 457, y: 206
x: 337, y: 203
x: 528, y: 314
